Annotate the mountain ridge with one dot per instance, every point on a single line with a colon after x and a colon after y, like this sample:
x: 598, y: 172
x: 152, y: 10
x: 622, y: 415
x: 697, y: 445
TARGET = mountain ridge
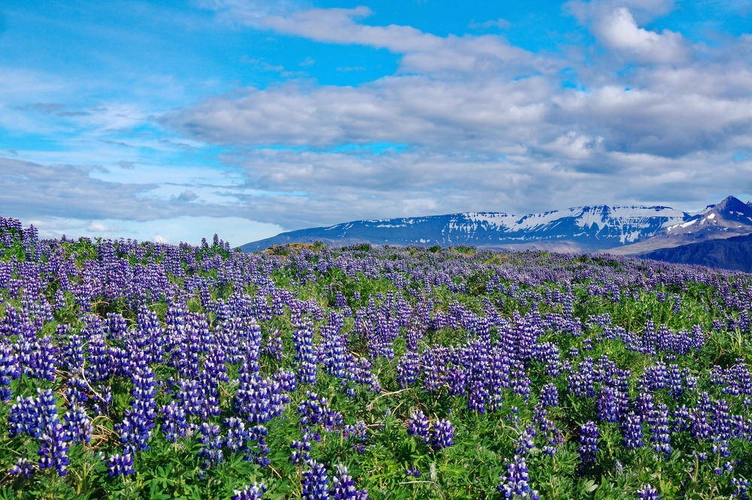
x: 618, y: 229
x: 583, y: 228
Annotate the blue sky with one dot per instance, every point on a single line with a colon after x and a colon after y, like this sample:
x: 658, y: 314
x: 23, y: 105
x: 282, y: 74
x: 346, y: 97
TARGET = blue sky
x: 174, y: 120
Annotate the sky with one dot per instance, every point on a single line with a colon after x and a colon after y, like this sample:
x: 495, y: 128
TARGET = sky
x: 174, y: 120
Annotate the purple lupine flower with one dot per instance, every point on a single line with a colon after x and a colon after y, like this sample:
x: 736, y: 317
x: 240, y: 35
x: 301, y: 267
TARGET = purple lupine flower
x: 301, y: 448
x: 608, y: 409
x: 211, y: 439
x: 632, y: 431
x: 581, y: 381
x: 720, y: 447
x: 647, y: 492
x: 332, y: 420
x: 588, y: 443
x: 77, y: 425
x: 138, y: 421
x: 72, y: 358
x: 251, y: 492
x: 120, y: 465
x: 31, y: 415
x: 274, y: 346
x: 334, y: 351
x: 413, y: 471
x: 548, y: 429
x: 189, y: 397
x: 357, y: 431
x: 549, y: 395
x: 53, y: 449
x: 660, y: 434
x: 417, y: 425
x: 742, y: 488
x: 286, y: 380
x: 305, y: 354
x: 237, y: 435
x: 24, y: 417
x: 174, y: 421
x: 258, y: 399
x: 315, y: 483
x: 9, y: 370
x: 442, y: 435
x: 343, y: 486
x: 100, y: 366
x: 38, y: 358
x: 408, y: 368
x: 721, y: 418
x: 524, y: 442
x: 516, y: 483
x: 23, y: 467
x: 674, y: 381
x: 260, y: 454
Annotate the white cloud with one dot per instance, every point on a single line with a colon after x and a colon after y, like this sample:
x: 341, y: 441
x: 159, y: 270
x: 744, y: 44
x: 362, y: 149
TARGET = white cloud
x: 423, y: 52
x: 618, y: 30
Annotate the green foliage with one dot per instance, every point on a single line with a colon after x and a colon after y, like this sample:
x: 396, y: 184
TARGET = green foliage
x: 515, y: 286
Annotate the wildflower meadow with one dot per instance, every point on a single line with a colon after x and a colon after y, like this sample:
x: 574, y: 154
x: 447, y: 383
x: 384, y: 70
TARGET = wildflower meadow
x: 145, y: 370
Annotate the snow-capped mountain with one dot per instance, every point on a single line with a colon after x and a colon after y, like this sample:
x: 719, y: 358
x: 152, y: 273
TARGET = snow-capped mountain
x: 727, y: 219
x: 588, y: 228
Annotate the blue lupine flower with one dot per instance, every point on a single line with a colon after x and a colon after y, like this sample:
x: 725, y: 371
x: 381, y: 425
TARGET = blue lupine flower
x: 660, y: 434
x: 607, y: 409
x: 315, y: 483
x: 210, y: 436
x: 251, y: 492
x: 742, y: 488
x: 120, y: 465
x: 343, y: 486
x: 77, y: 425
x: 549, y: 395
x: 524, y: 442
x: 174, y: 421
x: 417, y: 425
x: 442, y: 435
x: 632, y: 431
x: 588, y: 443
x: 516, y: 483
x: 312, y: 410
x: 237, y: 435
x: 647, y: 492
x: 9, y: 370
x: 23, y: 467
x: 53, y: 449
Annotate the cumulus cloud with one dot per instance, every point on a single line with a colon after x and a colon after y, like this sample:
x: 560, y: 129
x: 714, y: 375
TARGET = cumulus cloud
x: 569, y: 171
x: 499, y: 139
x: 616, y: 26
x: 619, y: 31
x: 479, y: 124
x: 423, y: 111
x: 491, y: 115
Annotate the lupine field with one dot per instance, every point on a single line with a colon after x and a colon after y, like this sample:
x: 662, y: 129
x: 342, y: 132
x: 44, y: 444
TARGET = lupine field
x: 143, y: 370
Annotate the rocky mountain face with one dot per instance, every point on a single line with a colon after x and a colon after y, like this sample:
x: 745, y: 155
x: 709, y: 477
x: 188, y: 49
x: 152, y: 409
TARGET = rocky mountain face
x: 727, y: 219
x: 733, y: 253
x: 578, y: 229
x: 712, y: 237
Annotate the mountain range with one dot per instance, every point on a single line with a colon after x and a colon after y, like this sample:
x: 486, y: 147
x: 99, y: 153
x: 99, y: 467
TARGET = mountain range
x: 626, y: 230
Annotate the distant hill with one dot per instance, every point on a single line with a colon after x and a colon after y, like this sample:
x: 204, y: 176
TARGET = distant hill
x: 732, y: 253
x: 578, y: 229
x: 727, y: 219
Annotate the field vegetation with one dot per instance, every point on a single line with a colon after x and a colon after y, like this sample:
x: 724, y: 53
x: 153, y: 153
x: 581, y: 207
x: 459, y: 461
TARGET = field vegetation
x: 145, y: 370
